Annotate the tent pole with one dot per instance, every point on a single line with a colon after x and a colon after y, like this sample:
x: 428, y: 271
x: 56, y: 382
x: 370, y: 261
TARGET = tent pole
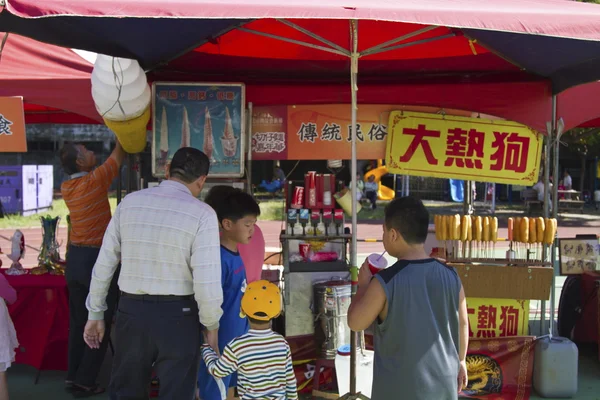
x: 352, y: 395
x: 294, y: 41
x: 353, y: 168
x: 130, y: 172
x: 493, y: 198
x: 556, y: 131
x: 120, y: 184
x: 249, y: 147
x: 314, y: 36
x: 550, y: 127
x: 466, y: 202
x: 409, y: 44
x: 382, y: 46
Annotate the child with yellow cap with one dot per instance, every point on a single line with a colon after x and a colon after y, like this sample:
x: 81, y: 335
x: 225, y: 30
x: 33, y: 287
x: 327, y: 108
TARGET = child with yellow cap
x: 261, y: 357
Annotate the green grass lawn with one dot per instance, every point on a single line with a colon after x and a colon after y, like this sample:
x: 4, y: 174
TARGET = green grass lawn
x: 271, y: 210
x: 59, y: 209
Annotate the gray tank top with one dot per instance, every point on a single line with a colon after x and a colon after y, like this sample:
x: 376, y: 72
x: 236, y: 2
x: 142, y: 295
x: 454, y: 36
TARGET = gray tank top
x: 416, y: 347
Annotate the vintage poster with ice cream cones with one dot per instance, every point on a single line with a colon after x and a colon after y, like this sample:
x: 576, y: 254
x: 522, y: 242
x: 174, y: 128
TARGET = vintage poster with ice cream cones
x: 207, y: 116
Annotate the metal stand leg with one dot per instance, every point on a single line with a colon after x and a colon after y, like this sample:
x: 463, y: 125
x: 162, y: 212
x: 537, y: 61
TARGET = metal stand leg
x: 120, y: 185
x: 349, y: 396
x: 37, y: 377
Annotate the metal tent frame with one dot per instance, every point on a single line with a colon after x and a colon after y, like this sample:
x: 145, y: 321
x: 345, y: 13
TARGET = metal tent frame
x: 354, y: 55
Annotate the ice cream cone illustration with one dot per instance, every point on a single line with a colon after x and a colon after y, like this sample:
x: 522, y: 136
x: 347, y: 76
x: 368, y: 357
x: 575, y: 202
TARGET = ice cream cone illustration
x: 229, y: 141
x: 208, y: 135
x: 185, y: 130
x: 164, y: 138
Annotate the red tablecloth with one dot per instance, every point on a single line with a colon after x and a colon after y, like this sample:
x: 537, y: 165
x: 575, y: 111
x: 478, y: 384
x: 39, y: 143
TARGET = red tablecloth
x: 41, y: 319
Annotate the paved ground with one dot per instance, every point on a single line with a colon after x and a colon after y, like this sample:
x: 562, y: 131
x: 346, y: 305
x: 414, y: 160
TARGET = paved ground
x: 569, y: 226
x: 21, y: 382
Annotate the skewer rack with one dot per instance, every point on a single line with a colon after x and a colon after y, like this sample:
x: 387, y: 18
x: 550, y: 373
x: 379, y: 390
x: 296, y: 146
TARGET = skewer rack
x: 502, y: 279
x: 499, y: 261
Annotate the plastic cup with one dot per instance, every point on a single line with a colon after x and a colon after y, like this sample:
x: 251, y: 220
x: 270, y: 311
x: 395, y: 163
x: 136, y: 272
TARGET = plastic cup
x: 376, y: 263
x: 304, y: 250
x: 298, y: 199
x: 438, y: 252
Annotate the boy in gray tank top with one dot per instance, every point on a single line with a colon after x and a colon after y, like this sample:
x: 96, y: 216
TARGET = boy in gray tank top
x: 420, y: 313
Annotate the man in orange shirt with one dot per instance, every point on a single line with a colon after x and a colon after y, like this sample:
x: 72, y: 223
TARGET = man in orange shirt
x: 86, y: 197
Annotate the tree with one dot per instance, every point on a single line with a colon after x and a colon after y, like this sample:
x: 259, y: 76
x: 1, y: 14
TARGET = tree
x: 585, y: 143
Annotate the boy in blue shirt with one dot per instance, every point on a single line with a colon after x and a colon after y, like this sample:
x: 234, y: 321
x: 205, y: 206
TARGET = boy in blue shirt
x: 237, y: 212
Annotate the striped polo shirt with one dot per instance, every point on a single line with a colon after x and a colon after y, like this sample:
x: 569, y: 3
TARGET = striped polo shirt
x: 263, y: 361
x: 86, y: 198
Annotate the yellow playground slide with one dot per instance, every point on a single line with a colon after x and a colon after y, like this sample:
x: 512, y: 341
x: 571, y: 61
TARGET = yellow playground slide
x: 384, y: 192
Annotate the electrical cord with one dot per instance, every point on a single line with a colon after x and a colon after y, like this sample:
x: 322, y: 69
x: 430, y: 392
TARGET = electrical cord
x: 283, y: 204
x: 119, y: 84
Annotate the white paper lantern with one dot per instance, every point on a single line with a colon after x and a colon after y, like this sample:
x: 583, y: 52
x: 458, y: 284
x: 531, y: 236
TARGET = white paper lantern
x: 119, y: 88
x: 113, y: 70
x: 110, y: 109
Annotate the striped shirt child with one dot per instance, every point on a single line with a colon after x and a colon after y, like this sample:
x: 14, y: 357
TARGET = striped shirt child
x: 263, y: 361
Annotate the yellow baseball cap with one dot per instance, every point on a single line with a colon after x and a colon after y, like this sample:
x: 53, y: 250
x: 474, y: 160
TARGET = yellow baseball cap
x: 262, y: 301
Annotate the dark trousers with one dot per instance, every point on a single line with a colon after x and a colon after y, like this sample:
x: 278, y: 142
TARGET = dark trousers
x: 372, y: 196
x: 160, y: 333
x: 85, y: 363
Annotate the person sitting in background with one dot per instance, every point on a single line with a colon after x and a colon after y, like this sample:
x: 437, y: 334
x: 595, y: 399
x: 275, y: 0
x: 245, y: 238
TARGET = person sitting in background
x: 277, y: 183
x: 561, y: 186
x: 360, y: 187
x: 567, y: 181
x: 539, y: 187
x: 371, y: 188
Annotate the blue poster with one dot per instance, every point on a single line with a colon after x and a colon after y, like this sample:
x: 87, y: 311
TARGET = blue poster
x: 209, y: 117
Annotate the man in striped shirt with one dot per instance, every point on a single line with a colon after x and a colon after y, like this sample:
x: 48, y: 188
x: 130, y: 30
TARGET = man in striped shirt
x: 86, y: 197
x: 168, y: 244
x: 261, y: 357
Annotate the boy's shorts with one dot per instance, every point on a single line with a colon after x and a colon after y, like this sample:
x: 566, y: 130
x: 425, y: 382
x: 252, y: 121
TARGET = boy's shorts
x: 207, y: 386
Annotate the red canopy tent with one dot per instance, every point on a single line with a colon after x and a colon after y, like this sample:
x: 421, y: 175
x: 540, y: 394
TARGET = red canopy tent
x: 460, y: 35
x: 495, y: 57
x: 468, y: 43
x: 55, y: 84
x: 53, y: 81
